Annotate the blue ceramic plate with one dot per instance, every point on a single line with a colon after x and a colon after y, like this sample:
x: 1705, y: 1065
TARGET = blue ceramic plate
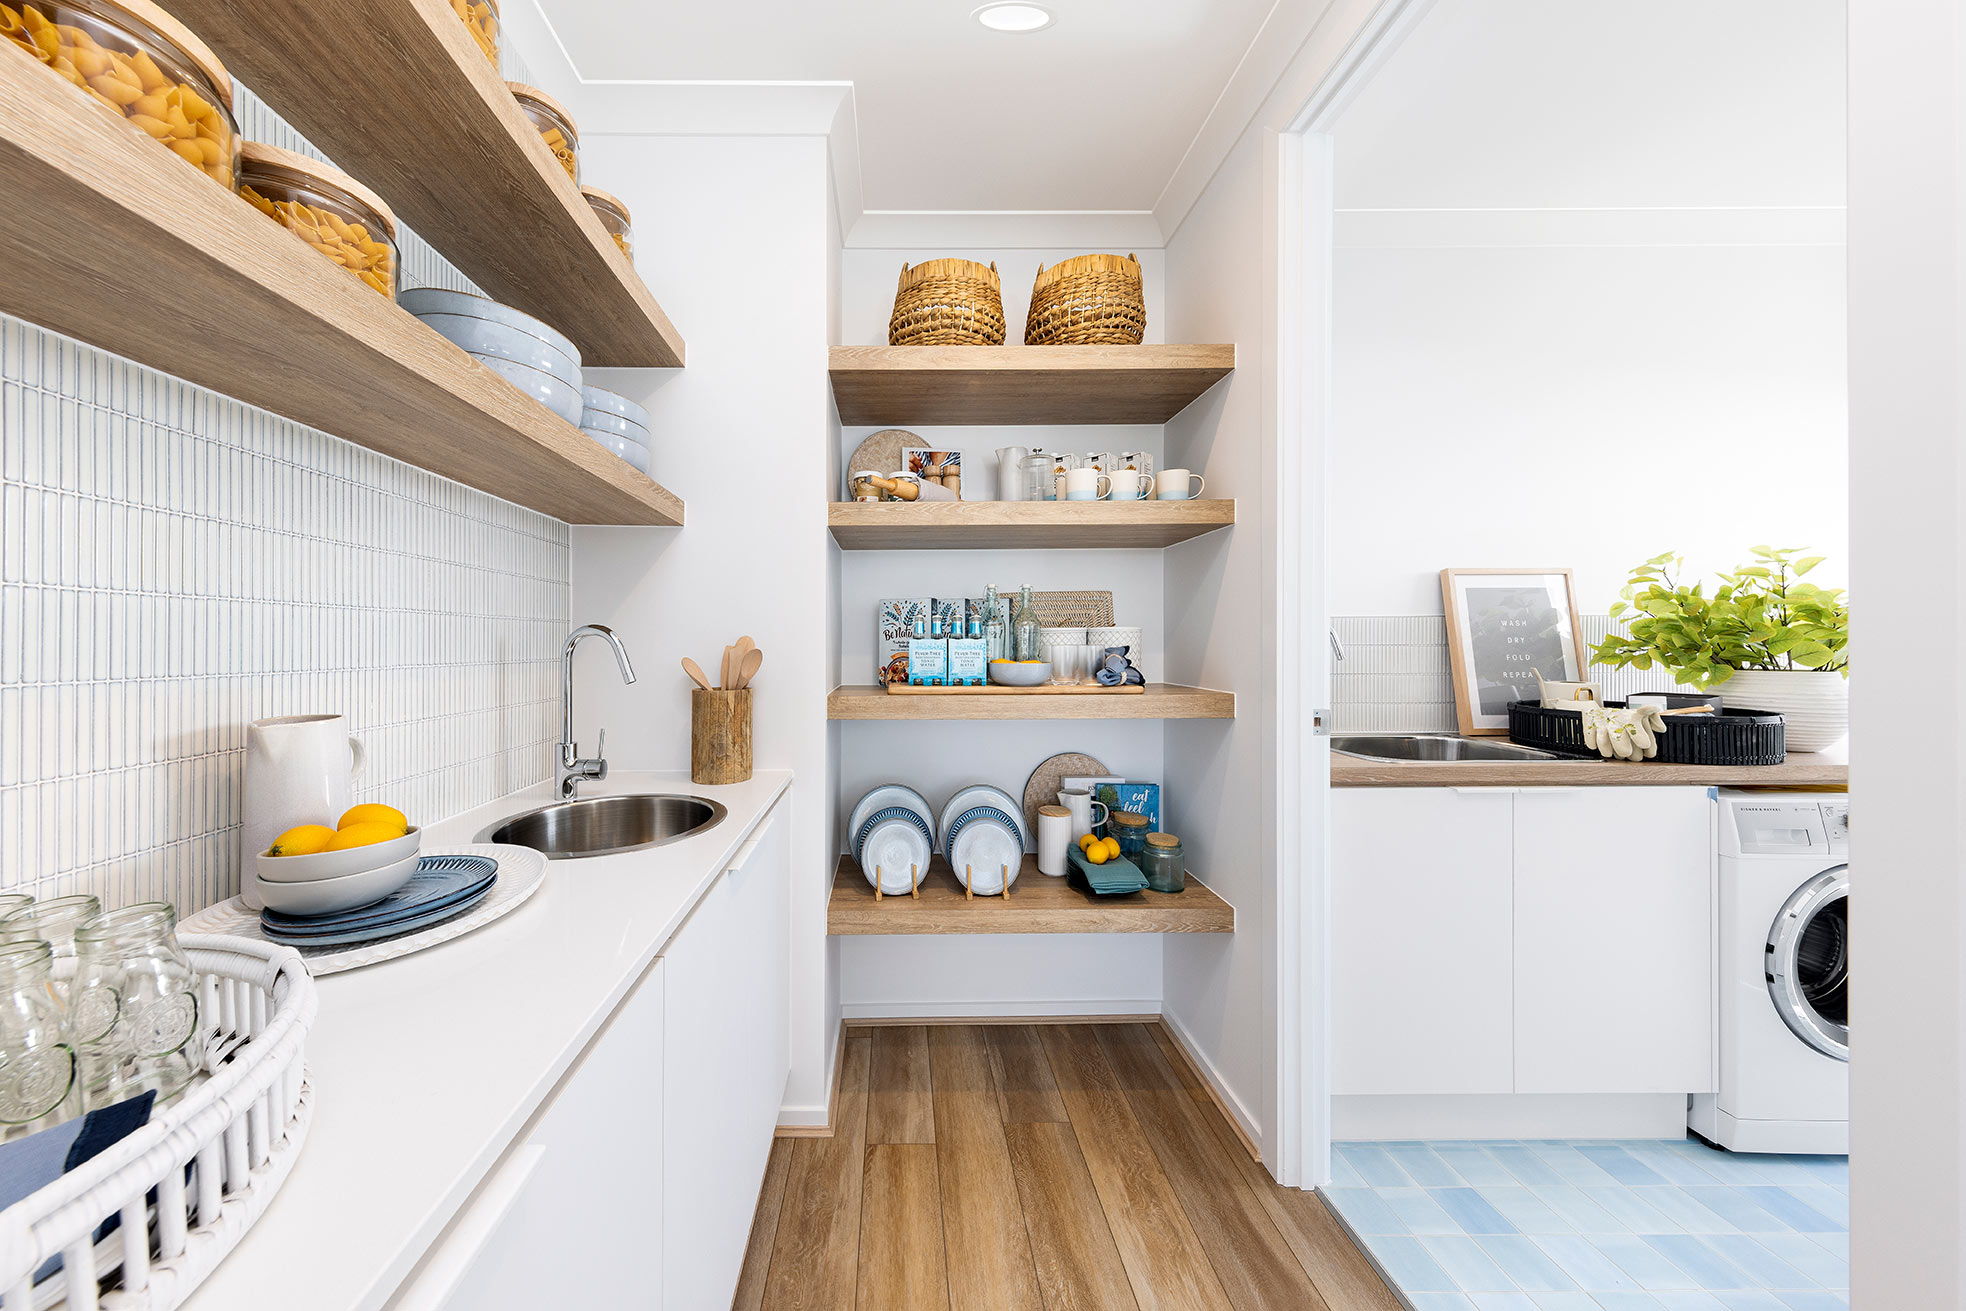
x: 439, y: 882
x: 352, y: 937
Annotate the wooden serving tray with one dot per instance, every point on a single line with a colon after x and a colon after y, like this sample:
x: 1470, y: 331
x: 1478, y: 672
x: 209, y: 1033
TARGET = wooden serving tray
x: 994, y: 689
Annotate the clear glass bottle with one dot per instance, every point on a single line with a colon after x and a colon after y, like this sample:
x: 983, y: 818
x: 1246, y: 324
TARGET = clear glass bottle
x: 1024, y: 630
x: 37, y: 1060
x: 134, y: 1013
x: 996, y: 628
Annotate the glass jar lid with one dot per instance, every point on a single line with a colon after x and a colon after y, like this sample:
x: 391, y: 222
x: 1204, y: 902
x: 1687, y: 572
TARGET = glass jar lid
x: 285, y: 168
x: 532, y: 95
x: 170, y: 33
x: 1163, y: 840
x: 1128, y: 819
x: 600, y: 199
x: 1055, y: 812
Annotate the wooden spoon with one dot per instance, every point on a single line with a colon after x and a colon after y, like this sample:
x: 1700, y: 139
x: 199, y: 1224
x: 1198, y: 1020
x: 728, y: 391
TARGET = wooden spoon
x: 753, y: 660
x: 695, y: 671
x: 729, y: 668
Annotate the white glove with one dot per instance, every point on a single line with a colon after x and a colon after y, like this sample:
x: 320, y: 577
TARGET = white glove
x: 1629, y: 734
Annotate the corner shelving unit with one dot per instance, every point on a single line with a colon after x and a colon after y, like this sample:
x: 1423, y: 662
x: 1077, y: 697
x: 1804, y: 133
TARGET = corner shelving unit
x: 120, y: 244
x: 1036, y: 904
x: 1022, y: 384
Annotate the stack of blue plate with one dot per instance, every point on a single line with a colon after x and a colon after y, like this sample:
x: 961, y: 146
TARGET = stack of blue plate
x: 442, y: 886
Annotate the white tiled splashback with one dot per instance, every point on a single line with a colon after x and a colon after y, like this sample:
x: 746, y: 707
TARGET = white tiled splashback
x: 174, y: 564
x: 1395, y: 676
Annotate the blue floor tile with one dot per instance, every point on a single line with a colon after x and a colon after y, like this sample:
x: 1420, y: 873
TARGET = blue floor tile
x: 1751, y: 1300
x: 1470, y: 1211
x: 1474, y: 1165
x: 1343, y: 1173
x: 1837, y: 1245
x: 1564, y: 1302
x: 1421, y: 1213
x: 1621, y: 1165
x: 1690, y: 1300
x: 1725, y: 1167
x: 1705, y: 1266
x: 1441, y: 1302
x: 1423, y: 1167
x: 1525, y: 1165
x: 1504, y: 1302
x: 1824, y: 1200
x: 1816, y: 1301
x: 1643, y: 1263
x: 1365, y: 1211
x: 1579, y: 1258
x: 1692, y: 1215
x: 1672, y: 1166
x: 1579, y: 1211
x: 1525, y: 1263
x: 1832, y: 1170
x: 1814, y: 1262
x: 1783, y: 1171
x: 1635, y: 1212
x: 1791, y: 1209
x: 1571, y: 1165
x: 1526, y: 1211
x: 1470, y: 1268
x: 1374, y: 1165
x: 1768, y: 1270
x: 1627, y: 1301
x: 1737, y: 1206
x: 1409, y: 1266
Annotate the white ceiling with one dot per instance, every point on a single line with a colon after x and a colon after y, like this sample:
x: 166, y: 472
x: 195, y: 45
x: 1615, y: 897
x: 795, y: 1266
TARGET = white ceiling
x: 1093, y: 114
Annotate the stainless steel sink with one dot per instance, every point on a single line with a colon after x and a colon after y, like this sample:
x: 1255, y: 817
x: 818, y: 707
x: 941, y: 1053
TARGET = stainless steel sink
x: 601, y: 826
x: 1434, y: 747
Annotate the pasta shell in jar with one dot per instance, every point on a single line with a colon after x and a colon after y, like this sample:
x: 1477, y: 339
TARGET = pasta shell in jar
x: 330, y: 211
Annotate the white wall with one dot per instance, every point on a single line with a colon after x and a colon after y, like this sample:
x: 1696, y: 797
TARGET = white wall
x: 1584, y: 338
x: 743, y: 434
x: 1907, y: 378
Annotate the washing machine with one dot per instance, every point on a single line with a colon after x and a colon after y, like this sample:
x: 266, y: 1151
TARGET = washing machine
x: 1784, y: 967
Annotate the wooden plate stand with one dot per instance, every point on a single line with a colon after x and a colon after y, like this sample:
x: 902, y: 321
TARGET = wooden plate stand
x: 914, y: 882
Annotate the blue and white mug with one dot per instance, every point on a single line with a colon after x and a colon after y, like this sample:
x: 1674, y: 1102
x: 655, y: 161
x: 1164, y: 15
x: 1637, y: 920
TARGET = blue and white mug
x: 1172, y: 485
x: 1084, y: 484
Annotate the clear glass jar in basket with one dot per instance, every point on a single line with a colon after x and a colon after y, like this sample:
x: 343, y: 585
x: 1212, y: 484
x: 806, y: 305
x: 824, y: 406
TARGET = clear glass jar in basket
x: 140, y: 64
x: 54, y: 922
x: 133, y: 1006
x: 37, y: 1060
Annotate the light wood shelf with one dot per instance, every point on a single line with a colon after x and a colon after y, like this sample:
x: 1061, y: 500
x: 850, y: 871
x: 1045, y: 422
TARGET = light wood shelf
x: 1160, y: 701
x: 1022, y: 525
x: 121, y: 244
x: 1036, y: 904
x: 1022, y: 384
x: 399, y: 96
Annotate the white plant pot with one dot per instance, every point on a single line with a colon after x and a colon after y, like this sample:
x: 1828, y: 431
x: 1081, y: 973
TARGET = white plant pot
x: 1816, y: 705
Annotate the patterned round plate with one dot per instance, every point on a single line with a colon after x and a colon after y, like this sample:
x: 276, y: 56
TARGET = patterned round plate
x: 1042, y: 789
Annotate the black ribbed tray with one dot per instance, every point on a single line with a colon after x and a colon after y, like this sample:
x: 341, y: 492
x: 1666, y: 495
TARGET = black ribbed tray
x: 1736, y: 737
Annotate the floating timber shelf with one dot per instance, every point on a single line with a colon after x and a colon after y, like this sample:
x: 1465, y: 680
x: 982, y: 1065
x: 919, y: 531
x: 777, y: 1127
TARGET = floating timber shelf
x: 1160, y: 701
x: 906, y: 385
x: 1022, y: 525
x: 1036, y: 904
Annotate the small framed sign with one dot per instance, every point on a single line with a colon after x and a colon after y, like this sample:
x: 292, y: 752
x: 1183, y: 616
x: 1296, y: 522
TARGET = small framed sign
x: 1504, y: 626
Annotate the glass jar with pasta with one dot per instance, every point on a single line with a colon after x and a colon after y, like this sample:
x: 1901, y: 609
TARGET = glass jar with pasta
x: 324, y: 207
x: 142, y: 65
x: 555, y: 126
x: 614, y: 217
x: 480, y: 19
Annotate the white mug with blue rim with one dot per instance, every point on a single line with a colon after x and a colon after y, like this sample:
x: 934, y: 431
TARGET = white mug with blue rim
x: 1172, y: 485
x: 1085, y: 485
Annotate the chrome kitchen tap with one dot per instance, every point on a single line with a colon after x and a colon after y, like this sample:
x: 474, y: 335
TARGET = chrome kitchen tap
x: 568, y: 768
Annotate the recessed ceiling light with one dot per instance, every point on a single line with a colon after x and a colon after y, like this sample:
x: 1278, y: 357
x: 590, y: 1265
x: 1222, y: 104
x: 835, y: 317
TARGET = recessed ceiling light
x: 1013, y: 16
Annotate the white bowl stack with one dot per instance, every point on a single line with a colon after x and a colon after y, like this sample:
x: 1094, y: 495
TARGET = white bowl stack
x: 616, y: 423
x: 524, y: 351
x: 330, y: 881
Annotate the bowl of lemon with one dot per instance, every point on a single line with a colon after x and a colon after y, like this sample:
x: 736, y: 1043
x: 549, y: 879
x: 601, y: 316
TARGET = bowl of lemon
x: 312, y: 869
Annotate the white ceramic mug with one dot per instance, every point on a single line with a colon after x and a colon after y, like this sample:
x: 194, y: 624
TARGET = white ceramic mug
x: 1080, y: 804
x: 1132, y: 485
x: 1172, y: 485
x: 1084, y: 484
x: 300, y: 769
x: 1054, y: 836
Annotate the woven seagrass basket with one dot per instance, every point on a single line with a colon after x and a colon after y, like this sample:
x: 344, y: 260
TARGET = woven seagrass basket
x: 1088, y: 300
x: 947, y: 302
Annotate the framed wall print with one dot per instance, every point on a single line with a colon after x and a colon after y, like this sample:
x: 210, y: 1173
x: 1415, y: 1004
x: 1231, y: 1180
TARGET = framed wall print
x: 1503, y: 627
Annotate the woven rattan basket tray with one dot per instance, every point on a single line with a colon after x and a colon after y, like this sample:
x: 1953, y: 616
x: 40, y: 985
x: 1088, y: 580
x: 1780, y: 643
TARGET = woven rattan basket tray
x: 1088, y: 300
x: 947, y: 302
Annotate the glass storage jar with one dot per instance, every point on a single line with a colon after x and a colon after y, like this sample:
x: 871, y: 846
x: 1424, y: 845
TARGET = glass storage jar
x: 134, y: 1006
x: 54, y: 922
x: 1162, y: 863
x: 480, y: 19
x: 864, y: 486
x: 1037, y: 475
x: 1130, y: 830
x: 13, y: 901
x: 142, y: 65
x: 614, y: 217
x: 555, y: 125
x: 325, y: 208
x: 37, y: 1060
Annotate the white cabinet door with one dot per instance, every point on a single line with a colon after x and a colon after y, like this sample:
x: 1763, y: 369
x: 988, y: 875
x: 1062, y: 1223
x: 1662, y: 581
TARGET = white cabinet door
x: 1420, y: 941
x: 725, y: 1062
x: 1613, y: 940
x: 580, y: 1197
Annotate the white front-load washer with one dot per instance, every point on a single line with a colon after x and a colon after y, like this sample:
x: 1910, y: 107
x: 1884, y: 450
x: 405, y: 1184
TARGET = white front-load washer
x: 1784, y: 965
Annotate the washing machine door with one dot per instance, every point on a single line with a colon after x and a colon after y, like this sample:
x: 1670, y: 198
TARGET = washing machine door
x: 1808, y: 962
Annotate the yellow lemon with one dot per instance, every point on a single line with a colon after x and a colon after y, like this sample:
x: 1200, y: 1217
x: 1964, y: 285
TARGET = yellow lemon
x: 363, y: 835
x: 1096, y: 854
x: 1112, y: 846
x: 373, y: 813
x: 1086, y: 840
x: 302, y: 841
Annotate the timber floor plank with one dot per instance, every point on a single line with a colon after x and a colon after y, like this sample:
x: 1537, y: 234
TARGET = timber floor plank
x: 1037, y: 1167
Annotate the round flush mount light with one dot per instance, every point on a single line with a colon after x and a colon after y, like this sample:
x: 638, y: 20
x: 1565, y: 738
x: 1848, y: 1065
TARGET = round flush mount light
x: 1013, y: 16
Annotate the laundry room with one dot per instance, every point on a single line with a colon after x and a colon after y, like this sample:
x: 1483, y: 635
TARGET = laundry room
x: 1589, y: 832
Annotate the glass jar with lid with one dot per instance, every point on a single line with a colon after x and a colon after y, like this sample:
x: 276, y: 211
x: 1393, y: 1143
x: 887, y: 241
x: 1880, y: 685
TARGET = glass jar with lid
x: 614, y: 217
x: 480, y: 19
x: 134, y: 1006
x: 324, y: 207
x: 37, y: 1060
x: 555, y: 125
x: 1162, y: 863
x: 1037, y: 475
x: 1130, y: 830
x: 54, y: 922
x: 864, y: 485
x: 142, y: 65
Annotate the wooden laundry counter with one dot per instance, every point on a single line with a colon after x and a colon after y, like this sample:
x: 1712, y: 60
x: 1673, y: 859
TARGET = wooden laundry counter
x: 1800, y: 770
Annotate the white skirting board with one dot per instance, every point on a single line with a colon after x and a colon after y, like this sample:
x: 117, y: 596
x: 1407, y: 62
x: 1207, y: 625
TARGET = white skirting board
x: 1508, y: 1115
x: 1098, y: 1007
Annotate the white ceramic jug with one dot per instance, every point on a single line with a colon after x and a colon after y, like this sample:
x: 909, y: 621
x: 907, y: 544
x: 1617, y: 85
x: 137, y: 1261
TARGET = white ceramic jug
x: 300, y: 769
x: 1010, y: 472
x: 1080, y: 803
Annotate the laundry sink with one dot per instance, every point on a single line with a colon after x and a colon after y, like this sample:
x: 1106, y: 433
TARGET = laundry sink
x: 602, y: 826
x: 1434, y: 747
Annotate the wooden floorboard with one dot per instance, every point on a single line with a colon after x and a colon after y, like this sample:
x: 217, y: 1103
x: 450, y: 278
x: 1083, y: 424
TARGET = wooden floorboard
x: 899, y: 1107
x: 1033, y: 1166
x: 1256, y: 1267
x: 989, y: 1250
x: 901, y: 1256
x: 815, y: 1260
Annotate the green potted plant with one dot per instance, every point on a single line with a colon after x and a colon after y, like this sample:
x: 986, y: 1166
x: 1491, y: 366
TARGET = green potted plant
x: 1769, y: 639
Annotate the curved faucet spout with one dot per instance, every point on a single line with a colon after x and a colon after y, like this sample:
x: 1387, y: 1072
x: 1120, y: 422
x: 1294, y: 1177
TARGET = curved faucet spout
x: 568, y: 768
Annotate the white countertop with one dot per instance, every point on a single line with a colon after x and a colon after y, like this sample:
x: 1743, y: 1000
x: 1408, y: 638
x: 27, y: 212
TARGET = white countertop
x: 426, y: 1068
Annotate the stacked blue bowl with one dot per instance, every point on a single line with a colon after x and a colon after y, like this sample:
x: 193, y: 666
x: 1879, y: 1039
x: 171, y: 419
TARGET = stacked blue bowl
x: 524, y: 351
x: 616, y: 423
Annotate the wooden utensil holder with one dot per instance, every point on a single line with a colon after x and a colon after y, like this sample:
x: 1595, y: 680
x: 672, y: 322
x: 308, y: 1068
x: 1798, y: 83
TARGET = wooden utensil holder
x: 720, y: 736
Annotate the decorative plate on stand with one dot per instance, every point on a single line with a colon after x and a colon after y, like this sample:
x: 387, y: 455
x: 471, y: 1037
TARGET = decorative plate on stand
x: 1045, y: 780
x: 520, y: 872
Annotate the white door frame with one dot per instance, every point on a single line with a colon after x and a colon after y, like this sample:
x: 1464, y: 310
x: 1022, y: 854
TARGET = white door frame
x: 1304, y: 205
